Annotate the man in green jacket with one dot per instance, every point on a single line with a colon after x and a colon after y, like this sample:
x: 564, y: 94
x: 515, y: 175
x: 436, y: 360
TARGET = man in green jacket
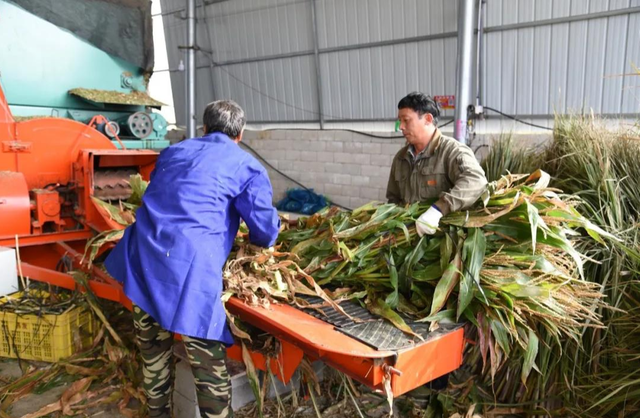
x: 432, y: 165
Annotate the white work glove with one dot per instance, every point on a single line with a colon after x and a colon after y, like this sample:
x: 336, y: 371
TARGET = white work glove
x: 428, y: 222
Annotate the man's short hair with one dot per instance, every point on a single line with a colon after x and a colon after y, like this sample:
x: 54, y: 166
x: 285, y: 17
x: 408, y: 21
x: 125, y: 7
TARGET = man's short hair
x: 421, y: 104
x: 224, y: 116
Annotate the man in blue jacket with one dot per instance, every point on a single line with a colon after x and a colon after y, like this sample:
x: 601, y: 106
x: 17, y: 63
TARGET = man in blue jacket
x: 170, y: 260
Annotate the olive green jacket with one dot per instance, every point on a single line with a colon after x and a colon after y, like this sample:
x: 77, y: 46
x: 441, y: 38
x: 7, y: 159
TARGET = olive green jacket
x: 447, y: 170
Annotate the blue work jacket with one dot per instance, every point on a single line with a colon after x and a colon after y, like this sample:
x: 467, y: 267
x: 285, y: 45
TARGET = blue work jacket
x: 170, y: 260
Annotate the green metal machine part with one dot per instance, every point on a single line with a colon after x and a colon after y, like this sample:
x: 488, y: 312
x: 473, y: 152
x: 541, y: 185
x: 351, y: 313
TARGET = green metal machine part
x: 47, y: 71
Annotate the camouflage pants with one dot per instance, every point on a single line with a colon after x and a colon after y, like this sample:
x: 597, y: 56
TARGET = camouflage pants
x: 206, y: 357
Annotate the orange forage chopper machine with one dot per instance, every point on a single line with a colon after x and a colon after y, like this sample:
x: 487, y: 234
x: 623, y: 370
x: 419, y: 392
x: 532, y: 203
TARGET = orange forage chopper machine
x: 50, y: 169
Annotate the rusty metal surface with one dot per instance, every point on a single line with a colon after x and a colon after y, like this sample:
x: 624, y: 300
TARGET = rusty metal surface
x: 113, y: 184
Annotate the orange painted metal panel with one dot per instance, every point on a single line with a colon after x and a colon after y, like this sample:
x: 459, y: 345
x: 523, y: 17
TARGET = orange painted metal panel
x: 14, y: 205
x: 283, y: 366
x: 31, y: 240
x: 315, y: 336
x: 427, y: 361
x: 54, y: 145
x: 319, y: 340
x: 55, y: 278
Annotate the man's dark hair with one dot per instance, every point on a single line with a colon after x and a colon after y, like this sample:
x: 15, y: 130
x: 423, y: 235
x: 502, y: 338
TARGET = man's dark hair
x: 421, y: 104
x: 224, y: 116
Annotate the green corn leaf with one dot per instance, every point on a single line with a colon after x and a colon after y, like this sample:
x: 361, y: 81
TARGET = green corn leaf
x: 479, y: 219
x: 556, y: 240
x: 446, y: 314
x: 302, y: 247
x: 446, y: 249
x: 501, y: 336
x: 446, y: 284
x: 427, y: 274
x: 534, y: 219
x: 379, y: 307
x: 473, y: 251
x: 381, y: 214
x: 138, y: 188
x: 530, y: 356
x: 347, y: 254
x: 392, y: 298
x: 393, y: 224
x: 405, y: 273
x: 122, y: 217
x: 418, y: 297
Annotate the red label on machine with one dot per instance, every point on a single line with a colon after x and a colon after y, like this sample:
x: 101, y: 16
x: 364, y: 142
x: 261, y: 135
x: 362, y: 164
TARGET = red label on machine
x: 446, y: 102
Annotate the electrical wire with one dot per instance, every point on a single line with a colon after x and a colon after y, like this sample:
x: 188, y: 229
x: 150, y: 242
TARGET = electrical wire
x: 260, y: 157
x: 250, y: 87
x: 313, y: 112
x: 284, y: 175
x: 517, y: 120
x: 448, y: 123
x: 329, y: 117
x: 261, y: 93
x: 346, y: 130
x: 326, y: 116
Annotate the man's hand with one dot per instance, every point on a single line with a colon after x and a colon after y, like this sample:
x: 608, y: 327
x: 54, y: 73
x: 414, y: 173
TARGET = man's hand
x: 428, y: 222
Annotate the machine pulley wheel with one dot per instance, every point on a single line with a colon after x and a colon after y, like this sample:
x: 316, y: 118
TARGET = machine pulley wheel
x: 111, y: 129
x: 140, y: 125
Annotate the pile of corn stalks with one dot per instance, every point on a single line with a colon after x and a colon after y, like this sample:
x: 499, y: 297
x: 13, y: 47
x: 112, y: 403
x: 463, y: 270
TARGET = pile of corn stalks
x: 508, y: 267
x: 598, y: 161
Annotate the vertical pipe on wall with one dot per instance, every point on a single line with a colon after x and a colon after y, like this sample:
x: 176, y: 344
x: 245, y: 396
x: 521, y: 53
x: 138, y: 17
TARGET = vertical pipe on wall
x: 317, y: 62
x: 191, y: 69
x: 464, y: 67
x: 479, y: 46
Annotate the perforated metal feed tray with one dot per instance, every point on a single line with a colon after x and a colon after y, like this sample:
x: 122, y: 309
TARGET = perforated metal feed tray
x: 373, y: 330
x: 330, y: 315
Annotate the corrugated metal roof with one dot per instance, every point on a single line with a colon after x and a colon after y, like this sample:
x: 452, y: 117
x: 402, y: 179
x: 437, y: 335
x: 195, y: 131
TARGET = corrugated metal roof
x: 528, y: 71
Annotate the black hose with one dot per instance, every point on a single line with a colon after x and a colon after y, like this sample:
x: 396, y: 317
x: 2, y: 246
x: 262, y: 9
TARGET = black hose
x: 516, y: 119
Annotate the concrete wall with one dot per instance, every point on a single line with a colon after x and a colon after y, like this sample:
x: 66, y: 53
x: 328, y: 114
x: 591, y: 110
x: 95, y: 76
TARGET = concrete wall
x: 349, y: 168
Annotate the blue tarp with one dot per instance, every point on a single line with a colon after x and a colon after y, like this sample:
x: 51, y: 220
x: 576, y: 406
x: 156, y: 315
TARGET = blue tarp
x: 302, y: 201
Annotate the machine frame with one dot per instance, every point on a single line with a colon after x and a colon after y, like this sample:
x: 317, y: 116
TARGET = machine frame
x: 48, y: 171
